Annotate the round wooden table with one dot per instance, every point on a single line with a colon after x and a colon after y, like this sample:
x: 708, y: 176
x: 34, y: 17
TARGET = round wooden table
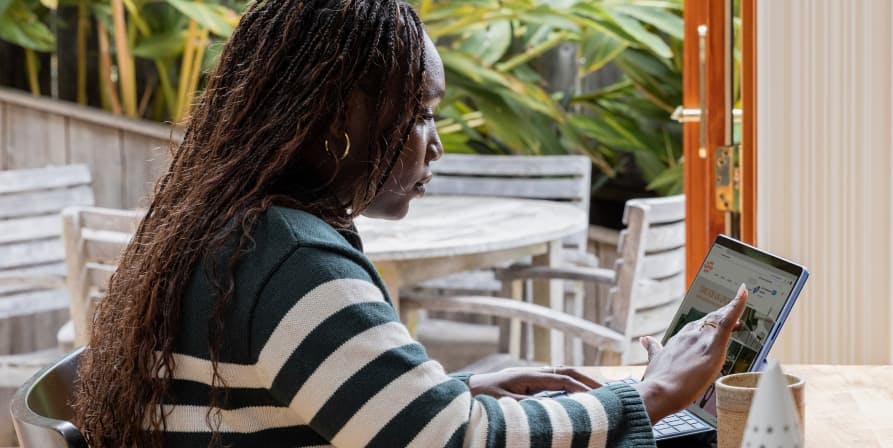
x: 444, y: 235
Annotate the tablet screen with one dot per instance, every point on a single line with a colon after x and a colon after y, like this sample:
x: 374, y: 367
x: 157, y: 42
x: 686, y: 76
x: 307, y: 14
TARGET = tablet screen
x: 770, y: 282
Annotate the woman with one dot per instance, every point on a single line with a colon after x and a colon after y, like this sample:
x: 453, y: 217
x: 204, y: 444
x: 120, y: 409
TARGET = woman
x: 244, y: 312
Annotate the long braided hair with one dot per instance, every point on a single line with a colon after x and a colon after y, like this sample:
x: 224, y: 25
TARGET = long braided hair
x: 284, y: 80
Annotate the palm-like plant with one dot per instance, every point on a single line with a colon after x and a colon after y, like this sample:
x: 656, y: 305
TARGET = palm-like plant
x: 499, y: 103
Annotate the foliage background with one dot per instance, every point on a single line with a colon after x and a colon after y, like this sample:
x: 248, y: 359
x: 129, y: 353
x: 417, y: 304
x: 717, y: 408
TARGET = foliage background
x: 593, y: 77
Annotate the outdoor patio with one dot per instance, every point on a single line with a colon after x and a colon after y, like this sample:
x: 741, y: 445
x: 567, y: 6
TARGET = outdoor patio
x: 569, y: 217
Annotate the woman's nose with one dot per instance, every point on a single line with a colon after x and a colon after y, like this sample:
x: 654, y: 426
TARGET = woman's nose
x: 435, y: 150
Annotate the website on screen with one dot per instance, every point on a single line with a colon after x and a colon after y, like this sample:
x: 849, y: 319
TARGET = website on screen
x: 715, y: 286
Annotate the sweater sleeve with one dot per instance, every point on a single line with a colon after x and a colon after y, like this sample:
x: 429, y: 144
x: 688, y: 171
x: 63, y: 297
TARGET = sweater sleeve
x: 336, y: 354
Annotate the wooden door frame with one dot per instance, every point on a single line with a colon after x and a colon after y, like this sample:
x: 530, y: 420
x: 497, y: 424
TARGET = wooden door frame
x: 703, y: 221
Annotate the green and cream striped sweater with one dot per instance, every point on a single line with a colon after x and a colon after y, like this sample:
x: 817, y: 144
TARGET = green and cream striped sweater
x: 315, y: 355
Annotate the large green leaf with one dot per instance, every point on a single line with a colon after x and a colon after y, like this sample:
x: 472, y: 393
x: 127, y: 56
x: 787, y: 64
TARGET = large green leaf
x: 4, y: 5
x: 20, y: 26
x: 489, y: 43
x: 460, y: 66
x: 635, y: 29
x: 659, y: 18
x: 597, y: 50
x: 547, y: 16
x: 669, y: 181
x: 161, y: 46
x: 219, y: 19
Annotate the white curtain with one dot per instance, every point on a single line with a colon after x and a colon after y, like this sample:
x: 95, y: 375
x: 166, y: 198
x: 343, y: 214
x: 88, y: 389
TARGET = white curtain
x: 824, y: 168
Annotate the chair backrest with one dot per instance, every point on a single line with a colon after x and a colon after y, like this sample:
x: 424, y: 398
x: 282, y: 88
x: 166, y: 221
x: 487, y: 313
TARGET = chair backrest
x: 94, y: 240
x: 650, y: 271
x: 556, y: 178
x: 33, y: 299
x: 40, y: 409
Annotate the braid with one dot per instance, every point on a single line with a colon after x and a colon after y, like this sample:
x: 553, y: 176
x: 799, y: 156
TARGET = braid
x: 284, y: 80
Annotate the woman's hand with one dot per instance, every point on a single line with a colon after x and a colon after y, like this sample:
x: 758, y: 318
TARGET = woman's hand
x: 680, y: 372
x: 521, y: 384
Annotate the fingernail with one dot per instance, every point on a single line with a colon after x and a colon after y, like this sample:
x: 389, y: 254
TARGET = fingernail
x: 742, y: 288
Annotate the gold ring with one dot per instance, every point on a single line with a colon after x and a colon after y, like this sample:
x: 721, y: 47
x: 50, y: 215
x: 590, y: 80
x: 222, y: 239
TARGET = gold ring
x: 708, y: 324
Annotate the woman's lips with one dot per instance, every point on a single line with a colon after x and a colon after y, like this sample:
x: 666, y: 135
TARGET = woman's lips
x: 420, y: 185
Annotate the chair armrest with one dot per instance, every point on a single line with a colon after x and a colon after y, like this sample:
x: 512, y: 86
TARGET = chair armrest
x: 590, y: 333
x: 36, y: 281
x: 581, y: 259
x: 526, y: 272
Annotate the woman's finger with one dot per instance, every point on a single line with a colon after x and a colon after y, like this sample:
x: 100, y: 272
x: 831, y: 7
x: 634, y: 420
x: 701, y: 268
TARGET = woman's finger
x: 550, y: 381
x: 730, y: 313
x: 580, y: 376
x: 652, y: 346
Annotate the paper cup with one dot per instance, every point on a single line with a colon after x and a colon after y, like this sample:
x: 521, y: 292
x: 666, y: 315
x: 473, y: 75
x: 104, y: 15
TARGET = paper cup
x: 734, y: 395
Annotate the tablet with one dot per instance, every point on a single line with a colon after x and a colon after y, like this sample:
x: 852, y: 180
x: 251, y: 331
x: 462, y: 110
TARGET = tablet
x: 773, y: 285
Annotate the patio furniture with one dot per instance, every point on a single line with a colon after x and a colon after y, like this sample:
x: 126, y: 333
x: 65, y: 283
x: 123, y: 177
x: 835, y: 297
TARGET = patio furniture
x: 846, y: 406
x: 40, y: 409
x: 565, y: 179
x: 648, y: 279
x: 94, y: 240
x: 33, y: 298
x: 648, y: 285
x: 443, y: 235
x: 439, y: 236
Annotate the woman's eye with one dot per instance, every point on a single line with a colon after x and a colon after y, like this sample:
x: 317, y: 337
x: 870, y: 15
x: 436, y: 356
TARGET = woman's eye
x: 427, y: 115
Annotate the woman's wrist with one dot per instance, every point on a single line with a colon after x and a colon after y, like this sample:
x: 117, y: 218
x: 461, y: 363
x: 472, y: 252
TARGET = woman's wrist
x: 654, y: 398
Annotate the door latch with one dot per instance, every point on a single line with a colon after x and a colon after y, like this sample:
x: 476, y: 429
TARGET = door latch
x: 727, y: 175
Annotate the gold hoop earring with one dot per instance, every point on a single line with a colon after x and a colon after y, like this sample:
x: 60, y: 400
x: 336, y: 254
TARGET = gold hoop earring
x: 346, y: 149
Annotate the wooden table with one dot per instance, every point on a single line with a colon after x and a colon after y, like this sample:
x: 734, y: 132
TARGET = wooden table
x: 846, y: 406
x: 444, y: 235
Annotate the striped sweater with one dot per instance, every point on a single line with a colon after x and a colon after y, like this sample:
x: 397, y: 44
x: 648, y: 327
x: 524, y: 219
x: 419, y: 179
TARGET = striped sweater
x: 315, y: 355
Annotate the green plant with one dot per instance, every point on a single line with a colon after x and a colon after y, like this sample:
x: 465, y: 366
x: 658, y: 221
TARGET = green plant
x: 498, y: 102
x: 180, y: 37
x: 21, y: 24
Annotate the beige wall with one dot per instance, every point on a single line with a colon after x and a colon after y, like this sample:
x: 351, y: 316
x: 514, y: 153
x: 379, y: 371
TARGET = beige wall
x: 824, y: 188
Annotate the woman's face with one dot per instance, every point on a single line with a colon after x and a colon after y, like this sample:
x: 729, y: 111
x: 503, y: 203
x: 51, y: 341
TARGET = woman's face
x: 411, y: 171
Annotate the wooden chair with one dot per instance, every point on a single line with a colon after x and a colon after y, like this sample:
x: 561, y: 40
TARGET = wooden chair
x: 557, y: 178
x: 648, y: 283
x: 94, y: 240
x: 33, y: 297
x: 40, y: 409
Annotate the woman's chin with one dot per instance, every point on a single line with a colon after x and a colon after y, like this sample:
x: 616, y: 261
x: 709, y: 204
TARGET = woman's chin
x: 393, y: 210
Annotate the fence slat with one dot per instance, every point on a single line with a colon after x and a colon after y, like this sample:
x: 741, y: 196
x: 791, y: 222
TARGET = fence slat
x: 35, y: 138
x: 145, y: 160
x: 99, y: 147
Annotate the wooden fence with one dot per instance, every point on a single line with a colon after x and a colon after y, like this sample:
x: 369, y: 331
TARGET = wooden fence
x: 125, y: 155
